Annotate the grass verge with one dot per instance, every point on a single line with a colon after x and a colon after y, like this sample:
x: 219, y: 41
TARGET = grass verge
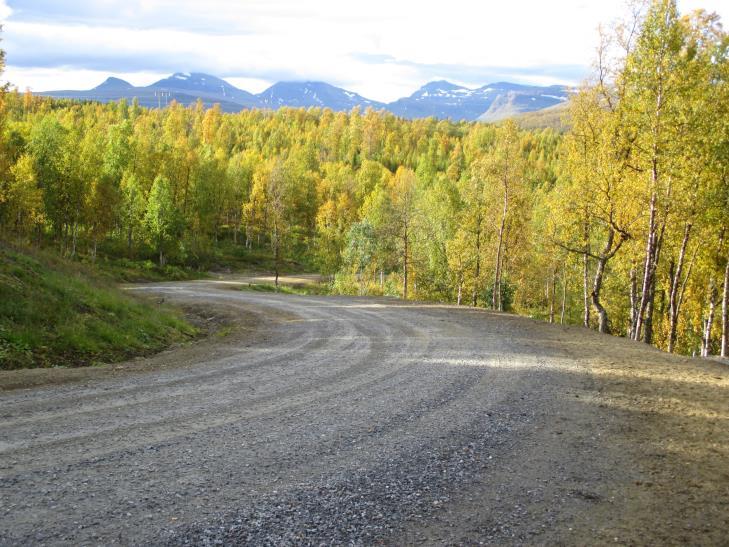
x: 306, y: 290
x: 134, y: 271
x: 57, y: 313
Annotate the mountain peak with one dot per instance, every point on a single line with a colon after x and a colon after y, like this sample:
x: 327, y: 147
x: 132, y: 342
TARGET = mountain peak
x: 302, y: 84
x: 112, y: 83
x: 311, y: 93
x: 439, y: 87
x: 440, y: 98
x: 441, y: 84
x: 191, y: 80
x: 442, y: 90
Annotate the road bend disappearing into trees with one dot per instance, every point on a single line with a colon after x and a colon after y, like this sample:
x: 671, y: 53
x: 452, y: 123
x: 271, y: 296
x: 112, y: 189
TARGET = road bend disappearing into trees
x: 339, y: 420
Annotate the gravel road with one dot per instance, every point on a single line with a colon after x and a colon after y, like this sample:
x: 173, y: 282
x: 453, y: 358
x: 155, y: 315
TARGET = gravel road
x: 328, y: 420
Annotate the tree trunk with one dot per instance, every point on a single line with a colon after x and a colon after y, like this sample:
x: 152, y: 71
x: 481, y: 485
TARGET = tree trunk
x: 653, y: 255
x: 552, y: 291
x: 674, y: 301
x: 74, y: 239
x: 276, y: 254
x: 275, y: 269
x: 405, y: 267
x: 248, y: 242
x: 129, y: 241
x: 709, y: 322
x: 725, y: 313
x: 63, y: 236
x: 586, y: 275
x: 478, y: 265
x: 633, y: 301
x: 564, y: 297
x: 713, y: 293
x: 460, y: 290
x: 648, y: 321
x: 586, y: 290
x: 496, y: 293
x: 647, y: 271
x: 608, y: 252
x: 644, y: 318
x: 602, y: 316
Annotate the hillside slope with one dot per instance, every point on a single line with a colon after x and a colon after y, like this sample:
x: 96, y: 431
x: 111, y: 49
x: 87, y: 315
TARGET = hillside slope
x: 53, y: 313
x: 555, y: 117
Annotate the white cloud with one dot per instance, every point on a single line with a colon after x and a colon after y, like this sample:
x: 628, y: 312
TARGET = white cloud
x: 254, y: 85
x: 57, y: 78
x: 383, y: 51
x: 719, y: 6
x: 5, y: 11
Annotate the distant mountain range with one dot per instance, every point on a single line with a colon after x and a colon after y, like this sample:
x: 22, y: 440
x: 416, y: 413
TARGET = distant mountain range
x: 439, y: 99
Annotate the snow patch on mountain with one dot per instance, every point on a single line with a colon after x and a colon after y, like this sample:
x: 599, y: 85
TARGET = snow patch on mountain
x: 440, y: 99
x: 559, y: 98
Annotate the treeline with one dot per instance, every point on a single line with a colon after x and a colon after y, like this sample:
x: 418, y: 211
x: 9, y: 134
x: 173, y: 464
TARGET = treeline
x: 620, y: 224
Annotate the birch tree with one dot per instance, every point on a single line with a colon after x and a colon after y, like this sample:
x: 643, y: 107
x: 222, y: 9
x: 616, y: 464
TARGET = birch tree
x: 503, y: 173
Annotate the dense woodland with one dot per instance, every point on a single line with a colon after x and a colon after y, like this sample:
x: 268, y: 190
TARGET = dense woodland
x: 620, y: 223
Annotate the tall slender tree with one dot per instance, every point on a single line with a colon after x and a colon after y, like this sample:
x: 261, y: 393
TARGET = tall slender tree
x: 504, y: 175
x: 161, y: 218
x: 403, y: 196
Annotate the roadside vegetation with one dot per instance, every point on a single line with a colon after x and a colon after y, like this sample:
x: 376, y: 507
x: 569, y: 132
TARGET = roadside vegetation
x: 618, y: 221
x: 307, y: 289
x: 55, y: 313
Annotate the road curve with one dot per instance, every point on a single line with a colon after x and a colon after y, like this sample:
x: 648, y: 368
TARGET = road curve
x: 351, y: 420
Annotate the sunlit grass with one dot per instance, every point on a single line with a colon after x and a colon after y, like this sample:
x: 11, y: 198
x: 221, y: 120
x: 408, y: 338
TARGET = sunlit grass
x: 307, y: 289
x: 54, y: 313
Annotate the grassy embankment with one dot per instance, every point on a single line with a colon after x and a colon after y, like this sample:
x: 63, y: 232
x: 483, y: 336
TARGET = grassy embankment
x: 58, y: 313
x: 309, y: 289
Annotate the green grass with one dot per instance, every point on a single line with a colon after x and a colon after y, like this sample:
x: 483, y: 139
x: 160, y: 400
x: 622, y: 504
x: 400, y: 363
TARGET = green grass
x: 132, y: 271
x: 57, y: 313
x: 236, y: 258
x: 311, y: 289
x: 220, y: 257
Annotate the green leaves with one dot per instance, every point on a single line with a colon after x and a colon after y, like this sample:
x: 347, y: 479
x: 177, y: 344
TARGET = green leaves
x: 161, y: 219
x: 455, y: 211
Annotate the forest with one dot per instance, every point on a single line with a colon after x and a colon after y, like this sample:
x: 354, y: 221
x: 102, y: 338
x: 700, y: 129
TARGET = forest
x: 619, y: 222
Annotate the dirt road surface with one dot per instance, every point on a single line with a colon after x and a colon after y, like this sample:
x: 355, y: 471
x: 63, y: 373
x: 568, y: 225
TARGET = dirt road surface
x: 344, y: 420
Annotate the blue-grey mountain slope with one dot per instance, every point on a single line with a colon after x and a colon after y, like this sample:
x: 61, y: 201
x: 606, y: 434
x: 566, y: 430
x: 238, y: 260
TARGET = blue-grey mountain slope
x: 439, y: 99
x: 186, y: 89
x: 317, y: 94
x: 446, y: 100
x: 205, y: 86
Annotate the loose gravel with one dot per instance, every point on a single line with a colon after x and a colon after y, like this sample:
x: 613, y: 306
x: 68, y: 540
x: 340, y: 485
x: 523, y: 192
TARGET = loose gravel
x: 330, y: 421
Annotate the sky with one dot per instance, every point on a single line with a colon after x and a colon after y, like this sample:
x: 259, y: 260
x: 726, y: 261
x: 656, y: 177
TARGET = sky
x: 382, y: 49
